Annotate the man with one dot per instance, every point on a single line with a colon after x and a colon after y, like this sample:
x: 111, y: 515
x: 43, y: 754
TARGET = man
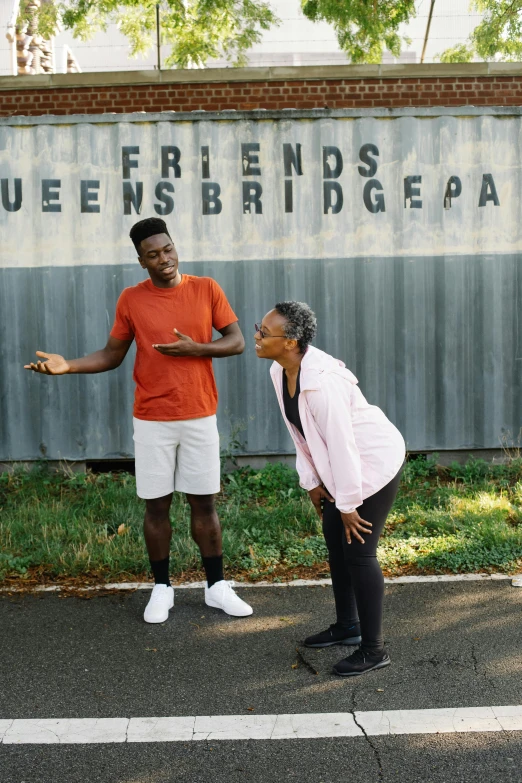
x: 175, y: 432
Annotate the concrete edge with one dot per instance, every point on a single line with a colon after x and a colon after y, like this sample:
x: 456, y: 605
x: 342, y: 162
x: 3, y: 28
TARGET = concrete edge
x: 231, y: 115
x: 264, y: 74
x: 398, y: 580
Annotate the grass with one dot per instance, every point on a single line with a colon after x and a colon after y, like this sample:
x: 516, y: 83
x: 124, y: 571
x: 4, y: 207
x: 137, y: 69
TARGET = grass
x: 55, y: 526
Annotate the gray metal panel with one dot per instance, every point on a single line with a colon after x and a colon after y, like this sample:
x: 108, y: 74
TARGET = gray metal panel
x: 422, y: 304
x: 434, y: 341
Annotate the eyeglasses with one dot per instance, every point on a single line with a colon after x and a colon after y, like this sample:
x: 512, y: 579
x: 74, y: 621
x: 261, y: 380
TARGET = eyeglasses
x: 263, y: 335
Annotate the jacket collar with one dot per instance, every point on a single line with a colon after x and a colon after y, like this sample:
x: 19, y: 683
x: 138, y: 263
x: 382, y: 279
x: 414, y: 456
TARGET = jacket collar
x: 313, y: 364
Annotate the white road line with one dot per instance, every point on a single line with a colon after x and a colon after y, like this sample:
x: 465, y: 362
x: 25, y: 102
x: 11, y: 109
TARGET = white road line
x: 214, y: 728
x: 394, y: 580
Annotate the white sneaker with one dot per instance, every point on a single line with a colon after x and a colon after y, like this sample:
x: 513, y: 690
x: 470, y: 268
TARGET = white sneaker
x: 221, y: 596
x: 161, y: 601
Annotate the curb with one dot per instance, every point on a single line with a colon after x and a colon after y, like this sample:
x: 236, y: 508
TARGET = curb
x: 516, y: 581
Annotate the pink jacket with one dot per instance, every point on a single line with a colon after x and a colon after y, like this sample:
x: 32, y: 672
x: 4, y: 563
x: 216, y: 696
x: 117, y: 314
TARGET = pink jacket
x: 350, y: 446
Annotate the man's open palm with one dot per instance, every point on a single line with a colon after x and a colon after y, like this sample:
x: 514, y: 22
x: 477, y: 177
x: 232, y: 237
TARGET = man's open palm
x: 184, y: 346
x: 55, y: 364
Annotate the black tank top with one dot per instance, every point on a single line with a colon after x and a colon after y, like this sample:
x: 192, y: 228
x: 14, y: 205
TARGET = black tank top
x: 291, y: 404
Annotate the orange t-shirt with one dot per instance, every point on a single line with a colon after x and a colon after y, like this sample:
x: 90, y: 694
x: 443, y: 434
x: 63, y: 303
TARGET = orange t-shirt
x: 172, y: 388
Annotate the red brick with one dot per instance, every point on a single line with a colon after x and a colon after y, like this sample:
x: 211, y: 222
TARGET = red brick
x: 307, y: 93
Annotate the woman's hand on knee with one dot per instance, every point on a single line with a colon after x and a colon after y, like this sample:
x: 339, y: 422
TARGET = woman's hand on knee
x: 354, y: 525
x: 317, y: 496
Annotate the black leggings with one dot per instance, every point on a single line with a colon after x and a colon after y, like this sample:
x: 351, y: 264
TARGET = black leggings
x: 357, y: 579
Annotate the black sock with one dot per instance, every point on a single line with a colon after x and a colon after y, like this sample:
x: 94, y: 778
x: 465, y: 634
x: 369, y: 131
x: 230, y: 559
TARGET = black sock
x: 160, y: 571
x: 213, y: 569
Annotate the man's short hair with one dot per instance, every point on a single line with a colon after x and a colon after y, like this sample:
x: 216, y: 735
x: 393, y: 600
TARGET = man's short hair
x: 145, y: 229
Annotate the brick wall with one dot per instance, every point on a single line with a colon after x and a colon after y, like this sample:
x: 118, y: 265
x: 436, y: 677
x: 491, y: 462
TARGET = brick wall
x: 214, y: 95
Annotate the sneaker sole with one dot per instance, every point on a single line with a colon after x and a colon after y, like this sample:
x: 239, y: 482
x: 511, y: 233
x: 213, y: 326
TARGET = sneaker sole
x: 380, y: 665
x: 230, y: 614
x: 351, y: 641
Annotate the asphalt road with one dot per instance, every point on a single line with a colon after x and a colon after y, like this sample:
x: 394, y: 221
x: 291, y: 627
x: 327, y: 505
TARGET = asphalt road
x: 452, y: 645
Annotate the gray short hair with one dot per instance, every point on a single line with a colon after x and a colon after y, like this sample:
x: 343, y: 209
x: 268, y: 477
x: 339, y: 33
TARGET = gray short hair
x: 301, y: 323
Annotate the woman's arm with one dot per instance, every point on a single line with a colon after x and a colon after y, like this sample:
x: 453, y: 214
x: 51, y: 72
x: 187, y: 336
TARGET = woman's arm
x: 331, y: 408
x: 308, y: 478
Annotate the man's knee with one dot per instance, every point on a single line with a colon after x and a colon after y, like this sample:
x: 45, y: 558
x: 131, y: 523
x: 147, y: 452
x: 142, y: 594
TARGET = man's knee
x: 157, y: 509
x: 203, y: 505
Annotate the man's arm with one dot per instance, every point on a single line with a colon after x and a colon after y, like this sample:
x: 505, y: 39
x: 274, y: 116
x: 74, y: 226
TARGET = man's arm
x: 107, y: 358
x: 230, y: 344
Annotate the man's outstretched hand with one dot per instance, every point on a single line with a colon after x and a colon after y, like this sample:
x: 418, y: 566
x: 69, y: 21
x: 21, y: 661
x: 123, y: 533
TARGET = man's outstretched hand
x: 185, y: 346
x: 55, y: 364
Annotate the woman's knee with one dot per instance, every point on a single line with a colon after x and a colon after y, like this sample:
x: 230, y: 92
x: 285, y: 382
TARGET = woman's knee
x: 361, y: 560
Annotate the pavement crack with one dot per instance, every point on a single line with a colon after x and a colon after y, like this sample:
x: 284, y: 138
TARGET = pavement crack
x: 306, y: 663
x: 474, y: 659
x: 476, y: 667
x: 374, y: 748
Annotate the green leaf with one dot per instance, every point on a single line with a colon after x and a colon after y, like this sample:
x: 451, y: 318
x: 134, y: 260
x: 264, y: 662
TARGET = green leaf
x: 192, y: 31
x: 364, y: 28
x: 497, y: 37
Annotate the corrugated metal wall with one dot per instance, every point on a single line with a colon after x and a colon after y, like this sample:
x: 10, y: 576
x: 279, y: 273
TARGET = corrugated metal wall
x: 433, y: 335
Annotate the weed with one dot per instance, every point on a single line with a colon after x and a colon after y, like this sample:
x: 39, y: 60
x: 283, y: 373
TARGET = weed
x: 461, y: 518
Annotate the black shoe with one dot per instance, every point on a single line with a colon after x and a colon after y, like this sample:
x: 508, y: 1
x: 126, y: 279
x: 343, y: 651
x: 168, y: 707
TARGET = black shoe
x: 335, y: 634
x: 360, y: 662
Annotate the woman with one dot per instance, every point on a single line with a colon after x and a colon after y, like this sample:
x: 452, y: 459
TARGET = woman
x: 349, y: 458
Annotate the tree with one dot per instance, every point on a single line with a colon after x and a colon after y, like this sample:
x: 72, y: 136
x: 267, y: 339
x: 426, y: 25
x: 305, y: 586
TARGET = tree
x: 497, y: 37
x: 194, y: 30
x: 364, y: 28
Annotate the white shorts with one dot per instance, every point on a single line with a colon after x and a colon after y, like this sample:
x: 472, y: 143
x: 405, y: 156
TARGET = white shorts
x: 181, y: 456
